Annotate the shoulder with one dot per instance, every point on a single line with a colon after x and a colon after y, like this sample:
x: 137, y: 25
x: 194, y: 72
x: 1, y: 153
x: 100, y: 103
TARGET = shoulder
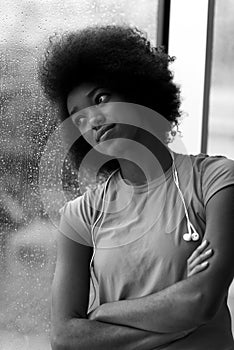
x: 211, y: 173
x: 206, y: 163
x: 77, y: 216
x: 202, y: 162
x: 85, y: 204
x: 217, y: 173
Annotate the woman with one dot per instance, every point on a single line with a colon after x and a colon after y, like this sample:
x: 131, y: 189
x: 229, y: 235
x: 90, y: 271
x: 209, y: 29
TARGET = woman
x: 146, y: 231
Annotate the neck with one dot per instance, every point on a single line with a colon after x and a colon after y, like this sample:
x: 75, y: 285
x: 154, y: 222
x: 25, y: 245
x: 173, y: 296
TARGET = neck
x: 146, y: 166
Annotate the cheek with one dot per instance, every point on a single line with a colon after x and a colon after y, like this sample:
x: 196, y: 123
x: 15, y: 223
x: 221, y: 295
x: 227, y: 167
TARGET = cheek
x: 88, y: 135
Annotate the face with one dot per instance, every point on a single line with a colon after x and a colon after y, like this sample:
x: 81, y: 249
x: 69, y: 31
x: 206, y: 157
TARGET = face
x: 94, y: 112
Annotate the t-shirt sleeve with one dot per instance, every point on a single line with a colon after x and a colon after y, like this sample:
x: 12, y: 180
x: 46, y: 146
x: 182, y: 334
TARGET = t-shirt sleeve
x: 217, y: 173
x: 75, y: 221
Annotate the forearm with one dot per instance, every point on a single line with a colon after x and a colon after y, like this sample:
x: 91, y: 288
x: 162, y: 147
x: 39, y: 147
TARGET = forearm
x: 167, y: 311
x: 87, y: 334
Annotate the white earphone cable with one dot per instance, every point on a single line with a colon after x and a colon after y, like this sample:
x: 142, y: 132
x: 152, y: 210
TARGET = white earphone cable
x: 92, y: 233
x: 189, y: 224
x: 175, y: 177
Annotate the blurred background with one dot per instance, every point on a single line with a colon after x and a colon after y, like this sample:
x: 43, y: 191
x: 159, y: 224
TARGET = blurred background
x: 27, y: 119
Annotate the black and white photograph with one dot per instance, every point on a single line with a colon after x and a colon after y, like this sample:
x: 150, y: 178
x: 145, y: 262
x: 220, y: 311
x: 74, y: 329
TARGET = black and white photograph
x: 116, y: 175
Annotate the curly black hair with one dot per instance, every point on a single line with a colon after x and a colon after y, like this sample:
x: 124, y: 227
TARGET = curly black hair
x: 118, y: 57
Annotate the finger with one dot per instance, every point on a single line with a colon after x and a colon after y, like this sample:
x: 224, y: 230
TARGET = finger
x: 198, y: 251
x: 198, y: 268
x: 201, y: 258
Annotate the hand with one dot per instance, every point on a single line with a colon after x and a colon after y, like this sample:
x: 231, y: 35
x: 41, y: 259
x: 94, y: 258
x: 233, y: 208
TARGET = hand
x: 198, y: 262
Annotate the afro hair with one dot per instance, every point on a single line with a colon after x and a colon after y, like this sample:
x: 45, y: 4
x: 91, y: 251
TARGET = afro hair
x: 118, y: 57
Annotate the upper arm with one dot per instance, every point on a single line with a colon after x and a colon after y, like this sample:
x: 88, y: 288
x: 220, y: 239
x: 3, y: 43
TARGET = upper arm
x: 220, y: 233
x: 70, y: 288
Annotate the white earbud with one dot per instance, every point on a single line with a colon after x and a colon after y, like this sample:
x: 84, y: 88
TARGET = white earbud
x: 191, y: 236
x: 187, y: 237
x: 195, y: 236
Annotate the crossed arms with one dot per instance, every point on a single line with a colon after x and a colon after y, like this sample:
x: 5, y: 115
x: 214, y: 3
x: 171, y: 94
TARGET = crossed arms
x: 141, y: 323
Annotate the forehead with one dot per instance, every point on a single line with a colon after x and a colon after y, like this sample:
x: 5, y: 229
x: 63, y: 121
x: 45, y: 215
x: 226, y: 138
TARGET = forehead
x: 78, y: 97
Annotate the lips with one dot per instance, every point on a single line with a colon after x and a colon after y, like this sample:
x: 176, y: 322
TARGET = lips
x: 102, y: 130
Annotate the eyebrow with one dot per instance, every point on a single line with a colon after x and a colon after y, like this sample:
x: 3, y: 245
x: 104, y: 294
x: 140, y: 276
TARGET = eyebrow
x: 75, y: 109
x: 92, y: 92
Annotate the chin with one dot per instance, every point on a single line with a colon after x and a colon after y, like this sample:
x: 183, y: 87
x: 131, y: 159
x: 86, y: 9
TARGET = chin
x: 111, y: 147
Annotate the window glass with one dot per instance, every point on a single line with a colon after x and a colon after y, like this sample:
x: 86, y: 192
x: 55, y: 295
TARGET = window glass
x: 27, y: 236
x: 187, y: 42
x: 221, y: 115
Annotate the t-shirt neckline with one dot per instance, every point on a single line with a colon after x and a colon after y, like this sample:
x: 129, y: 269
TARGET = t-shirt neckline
x: 144, y: 187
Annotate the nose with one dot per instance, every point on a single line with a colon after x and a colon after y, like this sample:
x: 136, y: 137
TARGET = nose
x: 97, y: 120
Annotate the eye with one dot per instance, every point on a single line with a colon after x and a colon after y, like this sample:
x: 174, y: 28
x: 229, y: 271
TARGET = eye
x: 102, y: 98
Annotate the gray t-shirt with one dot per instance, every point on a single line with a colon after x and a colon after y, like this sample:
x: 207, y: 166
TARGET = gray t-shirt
x: 138, y: 238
